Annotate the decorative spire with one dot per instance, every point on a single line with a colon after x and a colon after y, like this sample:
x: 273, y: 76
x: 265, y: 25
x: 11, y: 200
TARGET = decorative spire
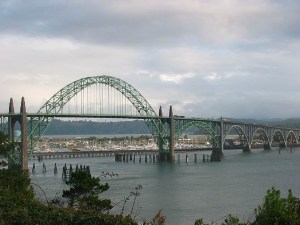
x: 11, y: 106
x: 170, y: 111
x: 160, y: 114
x: 23, y: 107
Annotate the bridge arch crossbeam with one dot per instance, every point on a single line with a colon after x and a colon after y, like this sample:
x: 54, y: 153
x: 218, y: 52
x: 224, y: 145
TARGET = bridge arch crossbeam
x: 210, y: 128
x: 56, y: 103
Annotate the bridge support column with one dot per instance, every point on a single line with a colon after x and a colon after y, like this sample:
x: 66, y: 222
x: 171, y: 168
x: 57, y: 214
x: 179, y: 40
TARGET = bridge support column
x: 282, y: 145
x: 172, y: 134
x: 222, y: 135
x: 267, y: 146
x: 217, y: 145
x: 216, y: 155
x: 19, y: 157
x: 246, y: 148
x: 162, y: 156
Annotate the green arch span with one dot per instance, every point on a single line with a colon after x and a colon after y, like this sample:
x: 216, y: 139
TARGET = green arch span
x: 209, y: 129
x: 56, y: 103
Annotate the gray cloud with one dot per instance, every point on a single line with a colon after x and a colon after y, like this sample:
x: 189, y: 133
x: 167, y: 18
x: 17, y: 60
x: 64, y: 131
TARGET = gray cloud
x: 153, y: 23
x: 207, y: 58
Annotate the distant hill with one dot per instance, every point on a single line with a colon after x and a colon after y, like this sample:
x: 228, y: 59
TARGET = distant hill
x: 292, y: 122
x: 276, y: 122
x: 60, y: 127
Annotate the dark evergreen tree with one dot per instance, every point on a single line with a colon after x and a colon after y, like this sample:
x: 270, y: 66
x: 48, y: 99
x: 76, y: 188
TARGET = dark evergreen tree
x: 84, y: 191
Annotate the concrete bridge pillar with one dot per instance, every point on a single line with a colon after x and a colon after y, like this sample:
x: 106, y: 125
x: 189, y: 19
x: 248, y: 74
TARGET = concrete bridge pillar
x: 160, y: 138
x: 282, y: 145
x: 218, y: 145
x: 246, y: 148
x: 222, y: 135
x: 11, y: 120
x: 216, y: 155
x: 172, y: 134
x: 267, y: 146
x: 22, y: 143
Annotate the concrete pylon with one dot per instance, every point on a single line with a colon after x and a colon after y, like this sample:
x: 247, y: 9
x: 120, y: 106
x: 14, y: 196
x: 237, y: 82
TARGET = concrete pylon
x: 160, y: 138
x: 22, y: 119
x: 11, y: 120
x: 24, y: 144
x: 172, y: 134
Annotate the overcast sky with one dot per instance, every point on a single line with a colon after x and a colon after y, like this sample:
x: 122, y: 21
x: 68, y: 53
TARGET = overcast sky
x: 207, y: 58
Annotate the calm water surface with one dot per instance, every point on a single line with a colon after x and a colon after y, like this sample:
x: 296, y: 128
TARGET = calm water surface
x: 188, y: 191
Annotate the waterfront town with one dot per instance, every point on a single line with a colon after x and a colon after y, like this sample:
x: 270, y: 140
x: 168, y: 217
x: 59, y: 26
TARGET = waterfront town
x: 93, y: 143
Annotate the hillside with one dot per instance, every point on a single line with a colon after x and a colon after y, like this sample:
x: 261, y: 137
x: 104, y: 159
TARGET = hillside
x: 86, y: 127
x: 58, y: 127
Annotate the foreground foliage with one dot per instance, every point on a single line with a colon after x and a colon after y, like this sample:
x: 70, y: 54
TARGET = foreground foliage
x: 18, y: 206
x: 275, y: 210
x: 84, y: 191
x: 5, y: 149
x: 278, y: 210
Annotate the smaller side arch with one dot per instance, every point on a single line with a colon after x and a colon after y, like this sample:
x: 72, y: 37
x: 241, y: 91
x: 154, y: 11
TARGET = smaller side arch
x: 279, y: 136
x: 242, y: 134
x: 208, y: 127
x: 291, y: 137
x: 266, y: 140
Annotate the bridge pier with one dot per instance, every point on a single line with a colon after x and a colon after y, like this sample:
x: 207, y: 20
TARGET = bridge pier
x: 267, y: 146
x: 216, y: 155
x: 282, y: 145
x: 163, y: 154
x: 172, y: 136
x: 246, y: 148
x: 21, y: 160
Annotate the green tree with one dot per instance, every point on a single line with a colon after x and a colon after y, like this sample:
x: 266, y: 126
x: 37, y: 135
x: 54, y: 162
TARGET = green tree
x: 84, y: 191
x: 5, y: 148
x: 200, y: 222
x: 276, y: 210
x: 158, y: 219
x: 232, y: 220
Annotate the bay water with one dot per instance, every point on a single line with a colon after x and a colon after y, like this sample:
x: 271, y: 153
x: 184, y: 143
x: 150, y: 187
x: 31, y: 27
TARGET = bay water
x: 184, y: 191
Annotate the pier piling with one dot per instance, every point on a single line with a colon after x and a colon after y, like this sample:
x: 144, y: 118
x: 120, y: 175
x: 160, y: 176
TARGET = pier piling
x: 55, y: 169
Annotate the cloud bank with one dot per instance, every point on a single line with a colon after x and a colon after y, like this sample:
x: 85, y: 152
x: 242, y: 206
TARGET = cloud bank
x: 231, y: 58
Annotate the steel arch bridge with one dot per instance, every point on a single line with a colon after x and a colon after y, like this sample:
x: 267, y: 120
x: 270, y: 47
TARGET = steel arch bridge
x: 166, y: 129
x: 57, y: 102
